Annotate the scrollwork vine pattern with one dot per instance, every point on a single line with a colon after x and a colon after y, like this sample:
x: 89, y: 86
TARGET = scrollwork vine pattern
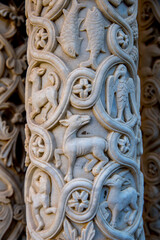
x: 83, y: 142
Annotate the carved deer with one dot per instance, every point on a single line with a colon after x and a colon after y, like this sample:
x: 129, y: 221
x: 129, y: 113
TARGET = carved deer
x: 74, y: 146
x: 120, y: 200
x: 46, y: 96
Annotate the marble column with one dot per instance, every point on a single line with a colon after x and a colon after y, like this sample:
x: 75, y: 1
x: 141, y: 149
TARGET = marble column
x: 12, y: 119
x: 83, y: 136
x: 149, y: 42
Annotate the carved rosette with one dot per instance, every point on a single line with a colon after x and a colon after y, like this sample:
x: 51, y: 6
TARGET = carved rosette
x: 83, y: 135
x: 149, y: 20
x: 12, y: 118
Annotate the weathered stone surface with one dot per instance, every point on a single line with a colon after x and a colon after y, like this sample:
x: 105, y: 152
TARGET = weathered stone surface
x: 84, y: 143
x: 149, y: 20
x: 12, y: 118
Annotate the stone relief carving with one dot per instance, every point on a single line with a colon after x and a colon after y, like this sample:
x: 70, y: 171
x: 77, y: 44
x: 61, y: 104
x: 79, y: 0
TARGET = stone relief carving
x: 43, y: 97
x: 39, y: 195
x: 94, y: 25
x: 71, y: 233
x: 12, y: 118
x: 69, y: 36
x: 74, y: 147
x: 123, y: 88
x: 150, y: 110
x: 83, y: 143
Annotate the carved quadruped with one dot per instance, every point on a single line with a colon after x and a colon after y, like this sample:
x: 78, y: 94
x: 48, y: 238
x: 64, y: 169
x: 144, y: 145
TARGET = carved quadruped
x: 149, y: 20
x: 84, y: 141
x: 12, y: 118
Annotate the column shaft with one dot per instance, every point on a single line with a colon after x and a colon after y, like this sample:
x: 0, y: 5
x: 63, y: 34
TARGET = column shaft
x: 149, y: 42
x: 84, y: 141
x: 12, y: 119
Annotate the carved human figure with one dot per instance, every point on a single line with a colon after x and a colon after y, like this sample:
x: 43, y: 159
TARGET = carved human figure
x: 74, y: 146
x: 43, y: 97
x: 124, y: 88
x: 121, y: 197
x: 39, y: 196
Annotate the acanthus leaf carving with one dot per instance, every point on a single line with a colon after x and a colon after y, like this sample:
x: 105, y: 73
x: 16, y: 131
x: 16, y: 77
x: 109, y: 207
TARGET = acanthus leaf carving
x: 12, y: 118
x: 87, y: 233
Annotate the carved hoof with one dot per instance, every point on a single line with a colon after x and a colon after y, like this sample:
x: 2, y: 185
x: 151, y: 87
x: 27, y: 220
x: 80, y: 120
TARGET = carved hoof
x: 87, y: 169
x: 43, y: 119
x: 50, y: 210
x: 95, y: 171
x: 58, y: 164
x: 33, y: 114
x: 130, y: 222
x: 68, y: 178
x: 113, y: 224
x: 40, y: 226
x: 120, y: 120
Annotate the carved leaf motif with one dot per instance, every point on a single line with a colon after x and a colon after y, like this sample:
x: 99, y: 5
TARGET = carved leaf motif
x: 12, y: 12
x: 69, y: 233
x: 5, y: 218
x: 4, y: 129
x: 88, y: 233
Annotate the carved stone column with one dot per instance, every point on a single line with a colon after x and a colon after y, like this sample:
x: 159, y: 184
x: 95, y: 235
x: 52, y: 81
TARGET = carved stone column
x: 149, y: 22
x: 12, y: 119
x: 84, y: 141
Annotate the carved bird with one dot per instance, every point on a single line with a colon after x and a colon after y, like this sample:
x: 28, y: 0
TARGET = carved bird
x: 120, y: 91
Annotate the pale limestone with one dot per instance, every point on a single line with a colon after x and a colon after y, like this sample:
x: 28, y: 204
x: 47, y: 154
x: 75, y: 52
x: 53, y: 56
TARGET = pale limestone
x: 83, y: 136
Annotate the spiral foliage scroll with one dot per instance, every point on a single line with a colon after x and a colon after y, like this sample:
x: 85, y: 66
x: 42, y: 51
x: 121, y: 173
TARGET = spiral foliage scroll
x: 149, y: 20
x: 12, y: 119
x: 83, y: 136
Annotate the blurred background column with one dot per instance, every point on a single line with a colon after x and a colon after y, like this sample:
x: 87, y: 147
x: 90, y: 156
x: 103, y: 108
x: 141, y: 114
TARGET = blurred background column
x: 12, y: 119
x: 149, y: 71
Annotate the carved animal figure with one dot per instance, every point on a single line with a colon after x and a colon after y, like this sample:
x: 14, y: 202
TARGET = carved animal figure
x: 94, y: 24
x: 69, y: 37
x: 120, y: 200
x: 41, y: 97
x: 39, y: 195
x: 74, y: 146
x: 124, y: 88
